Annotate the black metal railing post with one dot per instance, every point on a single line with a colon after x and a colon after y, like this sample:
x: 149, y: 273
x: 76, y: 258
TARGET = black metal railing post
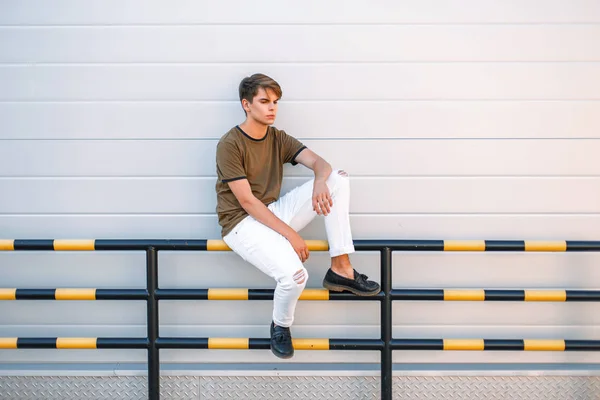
x: 152, y: 324
x: 386, y: 323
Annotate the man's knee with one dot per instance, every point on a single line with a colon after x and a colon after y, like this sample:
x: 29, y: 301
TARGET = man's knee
x: 341, y: 173
x: 300, y: 277
x: 296, y: 281
x: 337, y: 179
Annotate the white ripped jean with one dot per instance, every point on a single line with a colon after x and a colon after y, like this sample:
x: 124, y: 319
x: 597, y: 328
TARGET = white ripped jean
x: 274, y: 255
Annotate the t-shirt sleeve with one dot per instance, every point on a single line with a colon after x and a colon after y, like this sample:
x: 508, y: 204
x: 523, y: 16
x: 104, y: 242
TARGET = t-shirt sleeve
x: 290, y: 148
x: 230, y: 164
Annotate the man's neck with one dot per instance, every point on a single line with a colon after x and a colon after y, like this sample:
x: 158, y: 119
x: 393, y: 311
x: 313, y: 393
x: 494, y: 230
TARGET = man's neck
x: 254, y: 129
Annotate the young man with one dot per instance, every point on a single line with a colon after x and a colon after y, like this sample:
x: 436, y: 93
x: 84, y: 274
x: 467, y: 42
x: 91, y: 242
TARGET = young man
x: 263, y: 228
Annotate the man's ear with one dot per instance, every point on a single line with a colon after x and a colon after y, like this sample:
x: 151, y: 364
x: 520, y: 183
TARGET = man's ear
x: 245, y: 105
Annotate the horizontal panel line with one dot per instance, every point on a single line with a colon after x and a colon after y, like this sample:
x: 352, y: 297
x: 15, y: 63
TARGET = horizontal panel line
x: 407, y: 100
x: 312, y: 139
x: 299, y: 101
x: 353, y: 176
x: 567, y: 325
x: 299, y: 177
x: 416, y: 214
x: 176, y: 24
x: 345, y: 325
x: 277, y: 63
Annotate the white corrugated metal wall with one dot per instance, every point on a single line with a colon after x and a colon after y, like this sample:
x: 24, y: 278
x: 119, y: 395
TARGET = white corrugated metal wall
x: 463, y: 119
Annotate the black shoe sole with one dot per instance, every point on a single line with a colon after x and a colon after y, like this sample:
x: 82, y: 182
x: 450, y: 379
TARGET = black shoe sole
x: 282, y: 355
x: 341, y: 288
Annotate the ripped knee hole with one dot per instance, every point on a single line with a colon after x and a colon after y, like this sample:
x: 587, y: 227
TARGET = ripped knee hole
x: 299, y: 277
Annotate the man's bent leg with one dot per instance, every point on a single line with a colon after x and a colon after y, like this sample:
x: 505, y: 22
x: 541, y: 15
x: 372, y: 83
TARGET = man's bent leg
x: 295, y: 208
x: 342, y: 276
x: 337, y: 222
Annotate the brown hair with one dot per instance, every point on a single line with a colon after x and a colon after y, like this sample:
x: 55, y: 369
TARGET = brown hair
x: 249, y: 86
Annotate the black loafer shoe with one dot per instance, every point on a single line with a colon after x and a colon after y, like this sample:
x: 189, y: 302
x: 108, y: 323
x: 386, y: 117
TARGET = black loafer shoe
x: 281, y: 341
x: 360, y: 285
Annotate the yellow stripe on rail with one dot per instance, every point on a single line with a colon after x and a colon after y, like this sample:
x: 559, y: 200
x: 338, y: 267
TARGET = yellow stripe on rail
x: 8, y: 343
x: 314, y: 294
x: 463, y: 344
x: 217, y: 245
x: 317, y: 245
x: 544, y: 345
x: 313, y: 245
x: 228, y: 294
x: 464, y: 245
x: 545, y: 295
x: 229, y: 343
x: 76, y: 343
x: 8, y: 294
x: 75, y: 294
x: 532, y: 245
x: 464, y: 295
x: 74, y: 245
x: 310, y: 344
x: 7, y: 245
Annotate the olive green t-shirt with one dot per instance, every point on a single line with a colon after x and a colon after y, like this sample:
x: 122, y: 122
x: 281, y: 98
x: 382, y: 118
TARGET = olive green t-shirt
x: 239, y: 156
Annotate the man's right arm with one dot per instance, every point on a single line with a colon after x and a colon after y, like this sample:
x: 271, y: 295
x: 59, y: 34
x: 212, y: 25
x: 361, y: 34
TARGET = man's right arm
x: 255, y: 208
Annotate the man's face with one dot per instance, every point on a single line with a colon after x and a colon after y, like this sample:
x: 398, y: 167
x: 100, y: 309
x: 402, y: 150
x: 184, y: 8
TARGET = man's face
x: 263, y: 108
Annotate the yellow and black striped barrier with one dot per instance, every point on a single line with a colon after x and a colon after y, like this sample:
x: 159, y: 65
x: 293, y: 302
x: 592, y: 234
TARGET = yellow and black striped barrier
x: 313, y: 245
x: 376, y: 344
x: 73, y: 294
x: 397, y: 294
x: 385, y: 344
x: 485, y: 245
x: 305, y: 344
x: 101, y: 244
x: 264, y: 343
x: 495, y: 295
x: 307, y: 294
x: 73, y: 343
x: 496, y: 344
x: 254, y: 294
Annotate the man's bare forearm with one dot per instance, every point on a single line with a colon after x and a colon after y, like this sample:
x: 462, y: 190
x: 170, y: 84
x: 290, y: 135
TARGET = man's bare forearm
x: 262, y: 214
x: 322, y: 170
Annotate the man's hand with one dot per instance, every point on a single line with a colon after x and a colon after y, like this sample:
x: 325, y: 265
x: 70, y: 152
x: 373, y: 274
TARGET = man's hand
x: 321, y: 199
x: 299, y: 245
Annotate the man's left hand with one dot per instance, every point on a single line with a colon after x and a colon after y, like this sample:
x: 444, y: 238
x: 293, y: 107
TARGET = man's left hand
x: 321, y: 199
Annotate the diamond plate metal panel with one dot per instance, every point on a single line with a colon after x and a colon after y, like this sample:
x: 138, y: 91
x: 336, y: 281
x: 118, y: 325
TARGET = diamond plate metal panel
x: 289, y: 387
x: 497, y: 387
x: 179, y: 388
x: 404, y: 387
x: 72, y: 387
x: 94, y: 388
x: 300, y: 387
